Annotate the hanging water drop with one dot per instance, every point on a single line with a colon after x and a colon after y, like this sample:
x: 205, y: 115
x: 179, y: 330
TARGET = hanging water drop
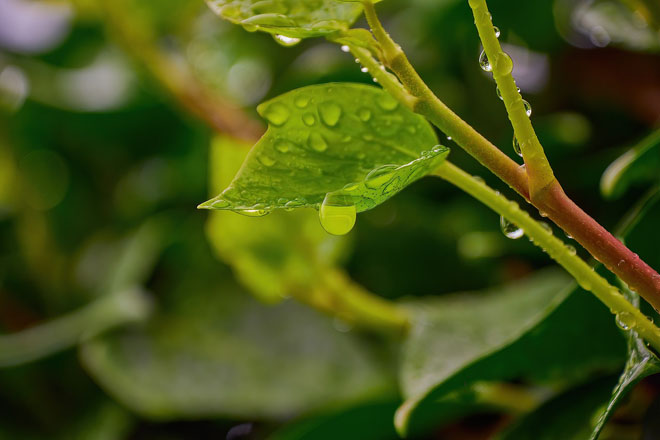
x: 484, y: 63
x: 497, y: 31
x: 625, y: 321
x: 499, y: 94
x: 448, y: 138
x: 337, y: 214
x: 364, y: 70
x: 546, y: 227
x: 345, y: 48
x: 375, y: 80
x: 510, y: 230
x: 286, y: 41
x: 528, y: 108
x: 516, y: 146
x: 257, y: 212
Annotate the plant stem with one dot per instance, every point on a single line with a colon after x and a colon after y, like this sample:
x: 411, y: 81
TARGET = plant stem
x: 130, y: 305
x: 177, y: 78
x: 337, y: 295
x: 581, y: 271
x: 539, y: 172
x: 550, y: 200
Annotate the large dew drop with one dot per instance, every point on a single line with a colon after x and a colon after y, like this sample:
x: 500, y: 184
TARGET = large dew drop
x: 510, y: 230
x: 337, y: 214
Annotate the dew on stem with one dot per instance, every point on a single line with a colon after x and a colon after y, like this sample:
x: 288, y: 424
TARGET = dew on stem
x: 510, y: 230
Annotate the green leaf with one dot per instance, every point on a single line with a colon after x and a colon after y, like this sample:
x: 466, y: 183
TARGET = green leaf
x: 272, y: 255
x: 541, y: 328
x: 568, y: 416
x: 289, y: 18
x: 639, y: 164
x: 218, y: 352
x: 346, y: 142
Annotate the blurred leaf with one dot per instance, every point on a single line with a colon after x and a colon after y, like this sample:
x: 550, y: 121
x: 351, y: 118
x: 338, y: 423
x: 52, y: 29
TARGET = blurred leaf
x: 568, y: 416
x: 342, y: 140
x: 289, y: 18
x: 269, y: 255
x: 220, y: 353
x: 639, y: 164
x: 372, y: 421
x: 539, y: 328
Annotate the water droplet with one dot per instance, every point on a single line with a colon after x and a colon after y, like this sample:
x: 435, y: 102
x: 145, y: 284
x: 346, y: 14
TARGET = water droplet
x: 220, y: 204
x: 503, y: 64
x: 380, y: 176
x: 484, y: 63
x: 625, y: 321
x: 516, y: 146
x: 301, y: 101
x: 375, y: 80
x: 499, y: 94
x: 277, y: 114
x: 571, y: 249
x: 266, y: 160
x: 364, y: 114
x: 286, y: 41
x: 345, y: 48
x: 309, y: 119
x: 337, y: 214
x: 510, y: 230
x: 317, y: 142
x: 569, y: 236
x: 448, y: 138
x: 357, y: 61
x: 386, y: 102
x: 292, y: 204
x: 257, y: 212
x: 330, y: 113
x: 283, y: 146
x: 546, y: 227
x: 479, y: 179
x: 497, y: 31
x: 528, y: 108
x: 364, y: 70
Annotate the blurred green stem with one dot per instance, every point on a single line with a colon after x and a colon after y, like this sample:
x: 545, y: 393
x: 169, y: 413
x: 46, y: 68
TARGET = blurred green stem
x: 584, y: 274
x: 130, y: 305
x: 175, y: 76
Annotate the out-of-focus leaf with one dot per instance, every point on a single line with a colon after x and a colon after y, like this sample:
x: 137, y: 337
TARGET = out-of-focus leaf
x: 347, y: 141
x: 217, y: 352
x: 541, y: 328
x: 640, y: 163
x: 568, y: 416
x: 289, y: 18
x: 272, y: 254
x: 372, y: 421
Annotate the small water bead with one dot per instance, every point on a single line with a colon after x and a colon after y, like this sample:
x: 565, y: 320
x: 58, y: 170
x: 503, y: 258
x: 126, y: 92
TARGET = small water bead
x: 277, y: 114
x: 499, y: 94
x: 448, y: 138
x: 569, y: 236
x: 286, y: 41
x: 309, y: 119
x: 528, y: 108
x: 510, y: 230
x: 387, y: 103
x: 375, y: 80
x: 571, y: 249
x: 345, y: 48
x: 364, y: 114
x: 337, y: 214
x: 625, y: 321
x: 516, y: 146
x: 364, y: 70
x: 266, y: 160
x: 283, y: 146
x: 257, y: 212
x: 546, y: 227
x: 479, y: 179
x: 484, y: 63
x: 301, y: 101
x: 220, y: 204
x: 497, y: 31
x: 330, y: 113
x: 317, y: 142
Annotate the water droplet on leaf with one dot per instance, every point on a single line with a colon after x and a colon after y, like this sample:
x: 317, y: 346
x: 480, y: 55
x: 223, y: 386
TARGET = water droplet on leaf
x: 386, y: 102
x: 330, y: 113
x: 277, y: 114
x: 380, y: 176
x: 364, y: 114
x: 317, y: 142
x: 309, y: 119
x: 337, y: 214
x: 286, y: 41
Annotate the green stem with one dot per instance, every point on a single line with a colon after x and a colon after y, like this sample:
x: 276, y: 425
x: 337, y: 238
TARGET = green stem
x: 539, y: 172
x: 130, y: 305
x: 550, y: 200
x: 558, y: 251
x: 337, y: 295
